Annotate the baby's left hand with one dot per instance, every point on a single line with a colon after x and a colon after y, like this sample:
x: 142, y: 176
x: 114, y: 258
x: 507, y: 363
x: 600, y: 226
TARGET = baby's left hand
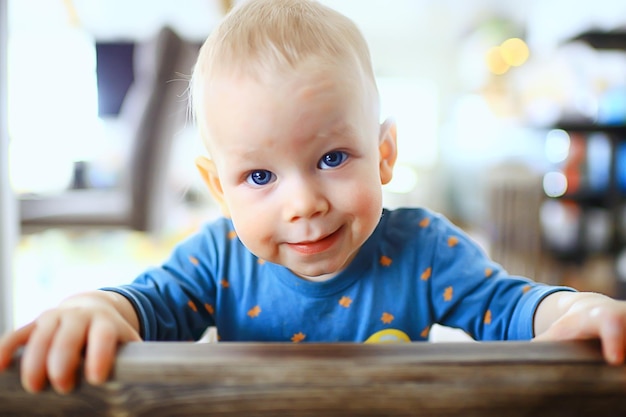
x: 571, y: 316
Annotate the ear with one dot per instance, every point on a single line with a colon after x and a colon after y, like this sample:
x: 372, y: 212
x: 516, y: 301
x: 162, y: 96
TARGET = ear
x: 388, y: 150
x: 208, y: 172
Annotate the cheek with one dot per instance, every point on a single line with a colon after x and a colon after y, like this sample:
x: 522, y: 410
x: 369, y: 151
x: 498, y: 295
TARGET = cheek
x: 364, y: 200
x: 251, y: 230
x: 254, y: 223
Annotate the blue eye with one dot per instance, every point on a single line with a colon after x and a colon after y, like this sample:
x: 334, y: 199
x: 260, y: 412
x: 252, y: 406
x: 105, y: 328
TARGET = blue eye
x: 260, y: 177
x: 332, y: 159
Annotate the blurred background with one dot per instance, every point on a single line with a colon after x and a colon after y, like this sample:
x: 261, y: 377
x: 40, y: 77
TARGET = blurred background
x: 511, y: 118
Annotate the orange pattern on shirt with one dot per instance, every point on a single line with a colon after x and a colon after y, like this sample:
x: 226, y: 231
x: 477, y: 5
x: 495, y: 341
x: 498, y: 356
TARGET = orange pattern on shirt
x: 345, y: 301
x: 385, y: 260
x: 224, y: 283
x: 488, y: 317
x: 447, y: 294
x: 453, y: 241
x: 387, y: 318
x: 298, y: 337
x: 194, y: 260
x: 426, y: 274
x: 424, y: 222
x: 209, y: 308
x: 261, y: 261
x: 232, y: 234
x: 425, y: 332
x: 192, y: 306
x: 488, y: 272
x: 254, y: 312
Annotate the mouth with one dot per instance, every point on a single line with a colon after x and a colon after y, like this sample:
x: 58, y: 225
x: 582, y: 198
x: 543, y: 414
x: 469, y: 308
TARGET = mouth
x: 317, y: 246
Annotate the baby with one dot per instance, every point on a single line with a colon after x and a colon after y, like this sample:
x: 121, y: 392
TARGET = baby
x: 285, y: 99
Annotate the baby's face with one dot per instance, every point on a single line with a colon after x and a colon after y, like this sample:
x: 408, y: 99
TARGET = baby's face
x: 298, y: 163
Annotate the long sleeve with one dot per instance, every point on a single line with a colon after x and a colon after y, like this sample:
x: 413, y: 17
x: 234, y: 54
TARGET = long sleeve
x: 469, y: 291
x: 175, y: 301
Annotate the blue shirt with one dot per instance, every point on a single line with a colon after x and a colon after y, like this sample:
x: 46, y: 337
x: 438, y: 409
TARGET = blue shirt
x: 415, y: 270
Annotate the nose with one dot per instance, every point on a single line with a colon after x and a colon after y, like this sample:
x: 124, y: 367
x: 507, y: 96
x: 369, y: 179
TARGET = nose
x: 304, y: 199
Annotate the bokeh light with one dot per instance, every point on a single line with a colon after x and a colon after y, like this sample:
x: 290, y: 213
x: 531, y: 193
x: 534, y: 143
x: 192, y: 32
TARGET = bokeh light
x: 554, y: 184
x: 557, y: 146
x: 514, y: 51
x: 495, y: 61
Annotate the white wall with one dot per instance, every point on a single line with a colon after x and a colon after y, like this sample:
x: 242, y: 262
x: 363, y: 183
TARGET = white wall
x: 8, y: 217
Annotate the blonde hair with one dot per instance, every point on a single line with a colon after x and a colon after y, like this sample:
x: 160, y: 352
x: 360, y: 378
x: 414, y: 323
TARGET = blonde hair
x: 266, y: 37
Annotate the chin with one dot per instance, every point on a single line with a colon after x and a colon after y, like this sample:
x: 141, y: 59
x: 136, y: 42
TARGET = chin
x: 317, y: 274
x: 319, y: 267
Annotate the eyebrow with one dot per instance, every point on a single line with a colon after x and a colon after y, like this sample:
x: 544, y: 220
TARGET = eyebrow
x: 340, y: 129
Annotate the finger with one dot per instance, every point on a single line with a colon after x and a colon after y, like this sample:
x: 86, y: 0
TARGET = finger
x: 613, y: 338
x: 100, y: 351
x: 10, y: 342
x: 33, y: 371
x: 64, y: 356
x: 104, y: 337
x: 610, y: 330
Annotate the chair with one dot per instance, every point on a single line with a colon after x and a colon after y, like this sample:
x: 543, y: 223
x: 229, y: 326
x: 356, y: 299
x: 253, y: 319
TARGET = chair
x: 514, y: 196
x: 157, y: 110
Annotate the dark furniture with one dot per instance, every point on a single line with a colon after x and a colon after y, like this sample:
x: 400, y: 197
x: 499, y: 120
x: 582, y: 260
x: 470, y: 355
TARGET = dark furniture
x: 156, y: 108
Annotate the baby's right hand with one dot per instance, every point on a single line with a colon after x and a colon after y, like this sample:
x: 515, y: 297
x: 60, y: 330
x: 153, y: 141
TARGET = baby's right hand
x: 54, y: 342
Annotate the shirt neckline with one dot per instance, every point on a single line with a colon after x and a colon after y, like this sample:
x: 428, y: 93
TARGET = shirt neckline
x: 355, y: 270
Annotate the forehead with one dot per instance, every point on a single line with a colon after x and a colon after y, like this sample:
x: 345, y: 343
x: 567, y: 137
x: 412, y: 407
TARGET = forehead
x: 311, y: 74
x: 298, y: 101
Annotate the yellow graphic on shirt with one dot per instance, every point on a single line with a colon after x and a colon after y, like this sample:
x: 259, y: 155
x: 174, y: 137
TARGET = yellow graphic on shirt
x: 232, y: 234
x: 447, y: 294
x: 192, y: 306
x: 345, y: 301
x: 194, y: 260
x: 487, y: 319
x: 453, y: 241
x: 387, y: 318
x: 426, y: 274
x: 254, y: 312
x: 388, y: 336
x: 298, y: 337
x: 526, y: 289
x: 425, y: 332
x: 488, y: 272
x: 424, y: 222
x: 385, y: 260
x: 261, y: 261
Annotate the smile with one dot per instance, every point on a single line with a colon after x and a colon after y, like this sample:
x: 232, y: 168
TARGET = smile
x: 318, y: 246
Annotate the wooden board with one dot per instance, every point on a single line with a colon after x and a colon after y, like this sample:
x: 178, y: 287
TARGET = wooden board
x: 418, y: 379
